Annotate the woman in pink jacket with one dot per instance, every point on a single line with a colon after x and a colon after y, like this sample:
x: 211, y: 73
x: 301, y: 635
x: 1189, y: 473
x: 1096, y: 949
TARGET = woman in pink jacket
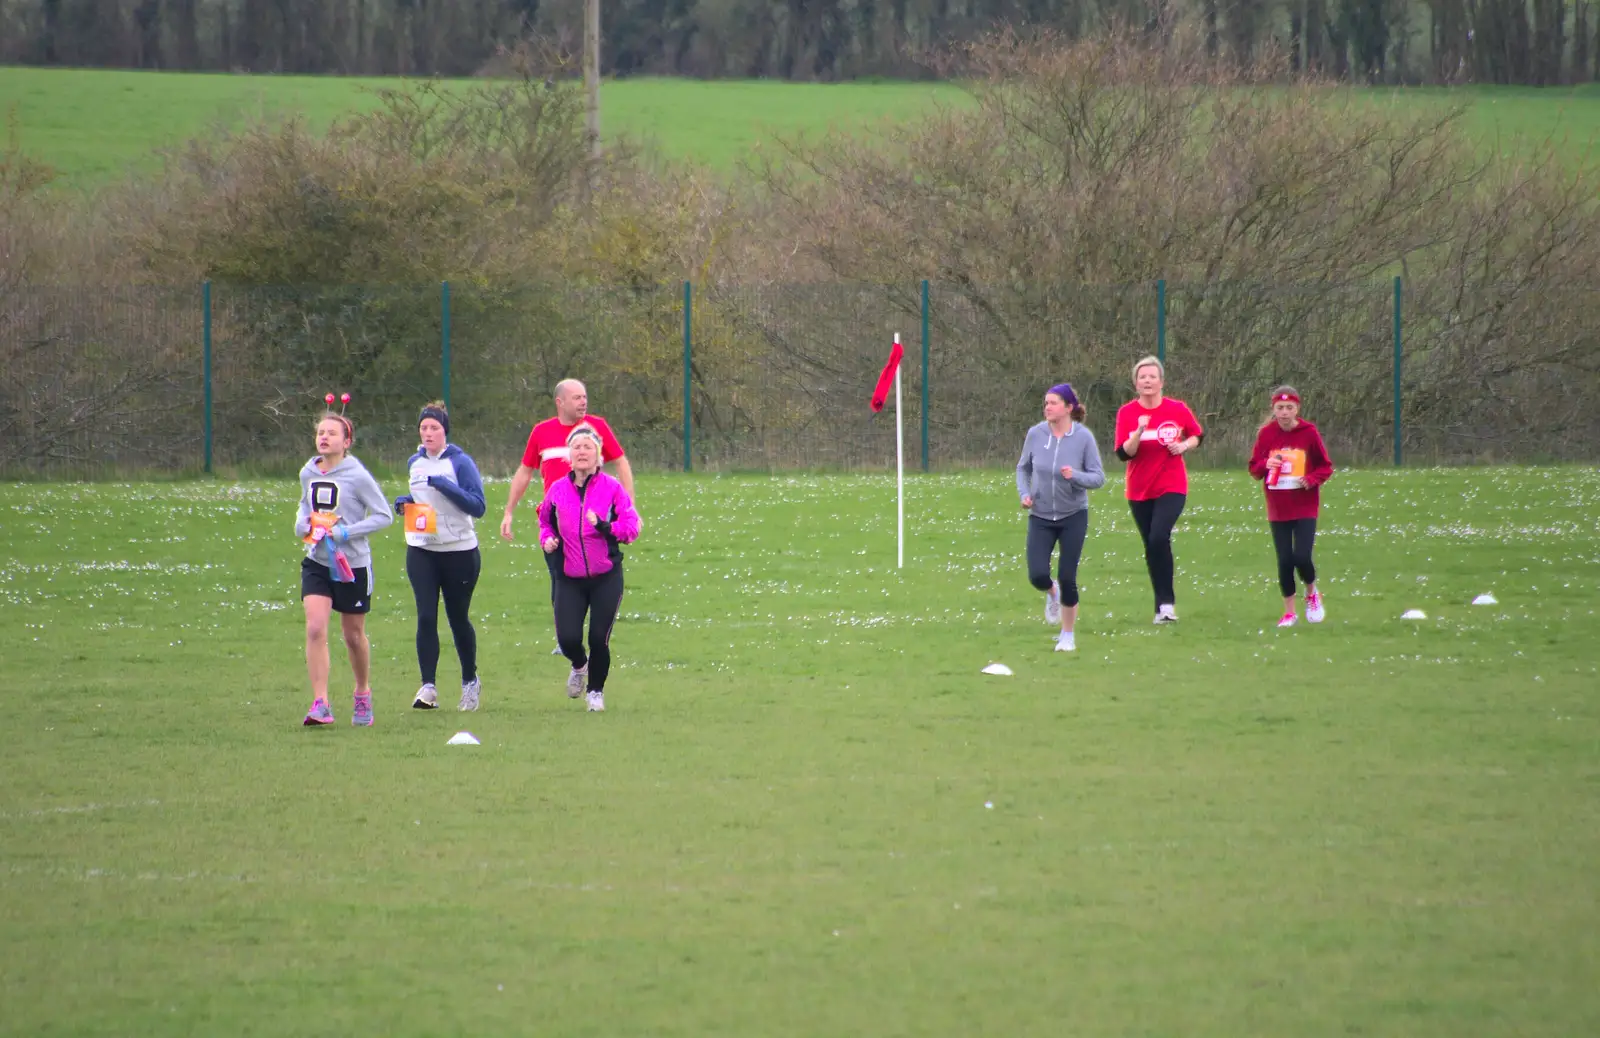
x: 587, y: 516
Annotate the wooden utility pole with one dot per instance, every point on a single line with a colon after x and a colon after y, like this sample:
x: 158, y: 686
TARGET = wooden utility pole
x: 591, y: 81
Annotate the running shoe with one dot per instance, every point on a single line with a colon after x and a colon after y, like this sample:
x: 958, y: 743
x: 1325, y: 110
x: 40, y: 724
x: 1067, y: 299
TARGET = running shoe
x: 362, y: 714
x: 1052, y: 605
x: 1066, y: 642
x: 597, y: 701
x: 1314, y: 611
x: 427, y: 697
x: 577, y: 681
x: 1167, y: 614
x: 319, y: 714
x: 1288, y: 619
x: 469, y: 695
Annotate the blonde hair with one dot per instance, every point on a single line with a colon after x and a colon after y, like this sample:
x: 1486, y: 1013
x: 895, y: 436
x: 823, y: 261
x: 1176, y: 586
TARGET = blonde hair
x: 1149, y: 362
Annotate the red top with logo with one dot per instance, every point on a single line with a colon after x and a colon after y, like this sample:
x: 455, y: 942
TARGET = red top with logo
x: 547, y: 447
x: 1291, y: 465
x: 1154, y: 470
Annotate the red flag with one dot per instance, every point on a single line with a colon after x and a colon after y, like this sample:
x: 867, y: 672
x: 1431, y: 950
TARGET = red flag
x: 880, y: 395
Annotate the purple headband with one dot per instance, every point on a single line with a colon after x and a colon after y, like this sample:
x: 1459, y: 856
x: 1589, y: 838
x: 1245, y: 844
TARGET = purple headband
x: 1064, y: 391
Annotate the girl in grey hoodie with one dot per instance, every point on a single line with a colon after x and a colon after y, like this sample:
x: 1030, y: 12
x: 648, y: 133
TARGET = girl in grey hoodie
x: 340, y: 505
x: 1060, y: 464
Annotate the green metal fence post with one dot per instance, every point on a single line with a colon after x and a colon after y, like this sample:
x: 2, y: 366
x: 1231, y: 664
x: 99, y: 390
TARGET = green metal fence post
x: 444, y: 337
x: 688, y: 362
x: 205, y: 337
x: 1161, y: 320
x: 1397, y: 356
x: 925, y: 374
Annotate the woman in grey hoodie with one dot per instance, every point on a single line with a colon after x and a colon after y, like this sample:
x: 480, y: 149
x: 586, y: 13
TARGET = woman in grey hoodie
x: 340, y: 504
x: 1060, y: 464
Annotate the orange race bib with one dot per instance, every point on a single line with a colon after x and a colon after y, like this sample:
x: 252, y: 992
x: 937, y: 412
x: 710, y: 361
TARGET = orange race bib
x: 324, y: 521
x: 1289, y: 471
x: 421, y: 518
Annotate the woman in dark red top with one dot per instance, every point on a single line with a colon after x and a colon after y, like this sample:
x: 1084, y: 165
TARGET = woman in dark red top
x: 1154, y: 432
x: 1291, y: 461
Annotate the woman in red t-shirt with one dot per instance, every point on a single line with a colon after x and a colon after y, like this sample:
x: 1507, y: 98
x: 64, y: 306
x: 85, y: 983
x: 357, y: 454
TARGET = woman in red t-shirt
x: 1153, y: 434
x: 1291, y: 461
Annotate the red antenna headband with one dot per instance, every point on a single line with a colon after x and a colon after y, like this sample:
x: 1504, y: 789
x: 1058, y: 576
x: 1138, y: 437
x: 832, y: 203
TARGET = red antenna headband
x: 1275, y: 399
x: 344, y: 402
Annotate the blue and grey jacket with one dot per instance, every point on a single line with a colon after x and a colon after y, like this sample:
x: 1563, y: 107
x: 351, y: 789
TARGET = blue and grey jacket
x: 450, y: 484
x: 1044, y: 454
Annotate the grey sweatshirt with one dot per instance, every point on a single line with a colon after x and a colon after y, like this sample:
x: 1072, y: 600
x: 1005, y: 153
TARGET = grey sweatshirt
x: 1039, y: 470
x: 350, y: 492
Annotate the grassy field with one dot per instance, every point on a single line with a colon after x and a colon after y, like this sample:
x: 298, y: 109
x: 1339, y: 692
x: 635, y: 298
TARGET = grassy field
x: 783, y: 823
x: 96, y: 125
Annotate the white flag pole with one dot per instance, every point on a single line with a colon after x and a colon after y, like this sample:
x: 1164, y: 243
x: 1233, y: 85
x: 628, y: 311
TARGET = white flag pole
x: 899, y: 468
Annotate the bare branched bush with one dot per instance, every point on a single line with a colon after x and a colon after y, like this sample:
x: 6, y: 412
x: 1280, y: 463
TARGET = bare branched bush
x: 1275, y: 213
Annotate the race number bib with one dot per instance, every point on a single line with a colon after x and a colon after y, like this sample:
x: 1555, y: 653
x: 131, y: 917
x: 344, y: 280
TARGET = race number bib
x: 421, y: 518
x: 1289, y: 472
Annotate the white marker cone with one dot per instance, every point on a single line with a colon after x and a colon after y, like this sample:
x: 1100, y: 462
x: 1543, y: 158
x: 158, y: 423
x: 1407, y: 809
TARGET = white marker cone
x: 1487, y: 598
x: 1413, y: 614
x: 998, y: 668
x: 463, y: 739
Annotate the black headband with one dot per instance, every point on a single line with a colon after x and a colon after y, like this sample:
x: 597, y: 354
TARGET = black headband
x: 438, y: 415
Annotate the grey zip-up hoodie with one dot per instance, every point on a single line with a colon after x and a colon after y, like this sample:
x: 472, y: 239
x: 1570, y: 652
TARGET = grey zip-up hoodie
x: 350, y: 492
x: 1039, y: 470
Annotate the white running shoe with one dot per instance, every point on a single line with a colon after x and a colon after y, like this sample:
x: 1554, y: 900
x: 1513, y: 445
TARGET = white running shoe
x: 1052, y: 605
x: 1167, y: 614
x: 597, y: 702
x: 556, y: 651
x: 577, y: 681
x: 427, y: 698
x: 1066, y: 642
x: 1314, y: 611
x: 469, y: 695
x: 1288, y: 619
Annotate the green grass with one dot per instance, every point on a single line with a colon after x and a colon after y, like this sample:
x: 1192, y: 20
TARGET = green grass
x: 94, y: 126
x: 1374, y: 826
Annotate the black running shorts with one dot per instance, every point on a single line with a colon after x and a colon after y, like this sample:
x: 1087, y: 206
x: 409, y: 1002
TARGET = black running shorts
x: 352, y: 597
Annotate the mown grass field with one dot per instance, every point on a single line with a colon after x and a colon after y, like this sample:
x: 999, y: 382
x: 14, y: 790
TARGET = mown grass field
x: 782, y: 825
x: 94, y: 126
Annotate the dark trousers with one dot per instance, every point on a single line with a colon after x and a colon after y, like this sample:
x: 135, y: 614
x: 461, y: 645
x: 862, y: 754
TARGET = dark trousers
x: 1294, y: 538
x: 453, y: 575
x: 1155, y: 519
x: 1043, y: 536
x: 599, y: 597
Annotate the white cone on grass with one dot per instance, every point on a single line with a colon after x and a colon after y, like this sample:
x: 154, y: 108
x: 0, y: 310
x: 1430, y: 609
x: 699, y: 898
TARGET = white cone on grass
x: 463, y: 739
x: 998, y: 668
x: 1413, y: 614
x: 1487, y: 598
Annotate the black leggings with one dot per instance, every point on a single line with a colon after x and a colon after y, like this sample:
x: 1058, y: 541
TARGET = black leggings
x: 1294, y: 538
x: 600, y: 597
x: 1155, y: 519
x: 455, y: 574
x: 1043, y: 535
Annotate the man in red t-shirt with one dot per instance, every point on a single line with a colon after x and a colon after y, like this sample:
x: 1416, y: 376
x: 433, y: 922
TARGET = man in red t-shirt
x: 1154, y: 432
x: 546, y: 452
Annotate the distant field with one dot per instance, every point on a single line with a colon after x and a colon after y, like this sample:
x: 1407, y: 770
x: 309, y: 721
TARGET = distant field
x: 96, y: 125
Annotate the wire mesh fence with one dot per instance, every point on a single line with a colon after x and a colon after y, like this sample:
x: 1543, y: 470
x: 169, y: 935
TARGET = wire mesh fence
x: 145, y: 379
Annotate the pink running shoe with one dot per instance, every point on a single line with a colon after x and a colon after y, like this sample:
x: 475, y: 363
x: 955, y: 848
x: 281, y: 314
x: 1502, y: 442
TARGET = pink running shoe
x: 319, y: 714
x: 1314, y: 611
x: 1289, y: 619
x: 362, y: 714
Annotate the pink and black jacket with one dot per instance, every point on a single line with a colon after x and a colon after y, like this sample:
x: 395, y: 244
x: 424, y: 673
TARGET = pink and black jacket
x: 588, y: 550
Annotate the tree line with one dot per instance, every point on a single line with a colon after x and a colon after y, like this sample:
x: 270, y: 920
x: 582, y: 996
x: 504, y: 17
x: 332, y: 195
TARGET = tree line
x: 1534, y: 42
